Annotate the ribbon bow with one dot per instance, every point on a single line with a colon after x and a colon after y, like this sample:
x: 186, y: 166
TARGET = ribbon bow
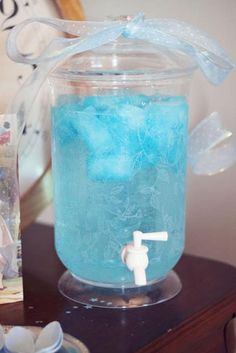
x: 164, y: 33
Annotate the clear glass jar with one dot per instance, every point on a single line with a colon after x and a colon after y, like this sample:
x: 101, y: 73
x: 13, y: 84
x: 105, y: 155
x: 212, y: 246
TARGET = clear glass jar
x: 119, y: 150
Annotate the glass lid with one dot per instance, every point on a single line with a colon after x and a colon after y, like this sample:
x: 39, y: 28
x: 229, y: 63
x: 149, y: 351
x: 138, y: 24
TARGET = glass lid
x: 125, y: 58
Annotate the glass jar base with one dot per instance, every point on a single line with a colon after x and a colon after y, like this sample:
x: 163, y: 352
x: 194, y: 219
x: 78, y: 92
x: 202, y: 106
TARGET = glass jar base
x: 123, y: 298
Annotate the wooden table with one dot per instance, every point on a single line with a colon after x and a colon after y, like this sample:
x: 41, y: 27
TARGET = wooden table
x: 193, y: 322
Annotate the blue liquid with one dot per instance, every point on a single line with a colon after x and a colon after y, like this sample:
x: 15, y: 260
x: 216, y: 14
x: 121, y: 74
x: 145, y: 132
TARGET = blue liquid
x: 119, y: 165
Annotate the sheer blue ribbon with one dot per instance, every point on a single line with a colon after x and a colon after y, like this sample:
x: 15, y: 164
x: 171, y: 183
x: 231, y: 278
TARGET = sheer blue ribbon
x: 164, y: 33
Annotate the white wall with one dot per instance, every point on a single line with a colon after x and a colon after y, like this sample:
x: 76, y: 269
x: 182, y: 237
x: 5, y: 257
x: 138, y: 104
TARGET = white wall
x: 211, y: 212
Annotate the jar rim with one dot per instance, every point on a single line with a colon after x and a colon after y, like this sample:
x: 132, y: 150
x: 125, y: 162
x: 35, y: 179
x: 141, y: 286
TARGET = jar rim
x: 125, y: 75
x: 127, y: 60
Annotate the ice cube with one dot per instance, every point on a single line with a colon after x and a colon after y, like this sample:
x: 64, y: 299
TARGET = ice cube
x: 93, y: 131
x: 168, y: 113
x: 132, y: 116
x: 123, y: 136
x: 166, y: 123
x: 105, y: 102
x: 113, y: 167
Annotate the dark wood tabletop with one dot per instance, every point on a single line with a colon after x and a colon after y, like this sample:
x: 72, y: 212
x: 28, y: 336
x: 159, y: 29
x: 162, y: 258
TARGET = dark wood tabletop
x: 206, y: 302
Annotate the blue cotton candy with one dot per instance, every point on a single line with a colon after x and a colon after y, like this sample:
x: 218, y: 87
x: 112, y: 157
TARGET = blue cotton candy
x: 123, y: 134
x: 166, y: 124
x: 110, y: 102
x: 63, y: 129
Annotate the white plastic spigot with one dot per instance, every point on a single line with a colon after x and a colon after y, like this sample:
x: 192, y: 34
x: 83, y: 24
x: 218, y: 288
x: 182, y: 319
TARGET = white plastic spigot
x: 134, y: 254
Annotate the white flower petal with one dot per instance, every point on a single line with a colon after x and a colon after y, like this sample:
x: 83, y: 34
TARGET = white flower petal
x: 20, y: 340
x: 50, y: 337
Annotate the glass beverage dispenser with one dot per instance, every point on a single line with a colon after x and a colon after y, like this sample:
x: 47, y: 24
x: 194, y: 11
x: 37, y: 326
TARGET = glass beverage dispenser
x: 119, y: 150
x: 119, y: 126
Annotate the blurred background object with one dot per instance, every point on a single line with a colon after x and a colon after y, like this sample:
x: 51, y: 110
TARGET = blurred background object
x: 71, y: 9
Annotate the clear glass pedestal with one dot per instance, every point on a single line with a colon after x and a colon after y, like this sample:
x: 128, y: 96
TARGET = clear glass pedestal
x: 124, y: 298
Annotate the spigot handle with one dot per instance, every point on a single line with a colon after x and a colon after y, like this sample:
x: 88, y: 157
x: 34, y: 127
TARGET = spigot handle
x: 139, y: 236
